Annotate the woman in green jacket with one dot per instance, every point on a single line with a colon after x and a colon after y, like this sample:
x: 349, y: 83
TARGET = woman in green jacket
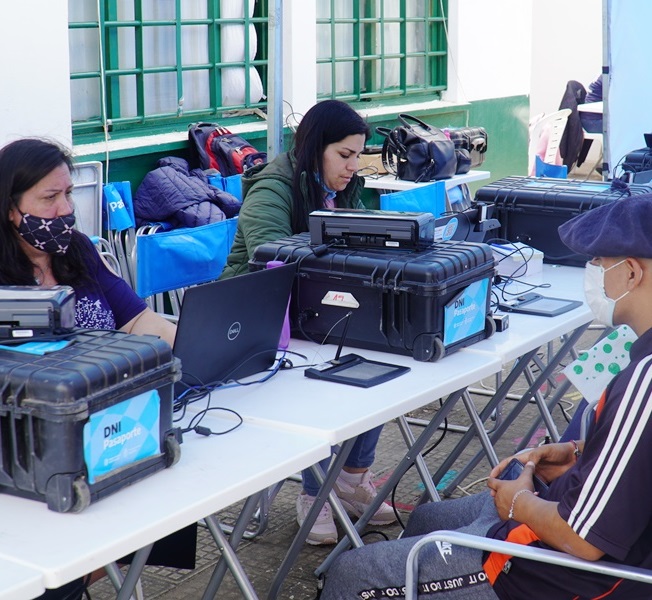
x: 319, y: 172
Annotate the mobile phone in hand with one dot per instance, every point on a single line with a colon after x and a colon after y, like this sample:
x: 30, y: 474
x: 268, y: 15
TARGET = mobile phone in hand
x: 514, y: 469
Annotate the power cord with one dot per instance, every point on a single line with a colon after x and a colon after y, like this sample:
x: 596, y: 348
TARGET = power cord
x: 423, y: 454
x: 207, y: 431
x: 195, y: 393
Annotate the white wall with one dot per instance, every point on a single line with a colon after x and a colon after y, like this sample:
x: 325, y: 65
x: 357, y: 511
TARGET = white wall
x: 499, y: 48
x: 489, y: 49
x: 34, y: 70
x: 567, y: 44
x: 299, y: 55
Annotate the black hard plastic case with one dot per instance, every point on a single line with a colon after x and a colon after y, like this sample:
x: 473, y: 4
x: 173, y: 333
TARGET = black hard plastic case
x: 401, y: 295
x: 46, y: 401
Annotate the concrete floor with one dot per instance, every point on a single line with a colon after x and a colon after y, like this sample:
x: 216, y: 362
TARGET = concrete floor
x: 262, y: 555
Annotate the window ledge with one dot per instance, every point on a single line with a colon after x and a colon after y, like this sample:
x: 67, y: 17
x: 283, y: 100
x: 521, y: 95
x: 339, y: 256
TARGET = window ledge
x: 411, y: 107
x: 126, y: 146
x: 130, y: 146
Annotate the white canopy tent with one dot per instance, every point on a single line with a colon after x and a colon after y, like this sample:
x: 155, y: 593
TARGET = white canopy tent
x: 627, y: 79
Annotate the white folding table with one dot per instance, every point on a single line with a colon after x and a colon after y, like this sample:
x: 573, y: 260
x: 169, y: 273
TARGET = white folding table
x: 391, y: 183
x: 18, y: 581
x: 339, y: 413
x: 213, y: 473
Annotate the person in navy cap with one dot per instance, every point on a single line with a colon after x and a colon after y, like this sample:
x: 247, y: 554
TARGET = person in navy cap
x: 597, y: 504
x: 616, y: 237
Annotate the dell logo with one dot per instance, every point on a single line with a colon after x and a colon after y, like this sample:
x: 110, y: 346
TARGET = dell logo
x: 234, y: 331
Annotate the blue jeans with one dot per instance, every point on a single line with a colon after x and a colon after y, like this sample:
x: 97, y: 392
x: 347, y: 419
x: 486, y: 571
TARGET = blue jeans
x: 362, y: 455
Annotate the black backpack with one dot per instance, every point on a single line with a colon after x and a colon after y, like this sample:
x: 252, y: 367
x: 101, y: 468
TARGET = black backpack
x: 215, y: 147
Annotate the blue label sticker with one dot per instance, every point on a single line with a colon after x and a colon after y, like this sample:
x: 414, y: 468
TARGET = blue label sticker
x: 38, y: 348
x: 122, y: 434
x: 450, y: 229
x: 465, y: 314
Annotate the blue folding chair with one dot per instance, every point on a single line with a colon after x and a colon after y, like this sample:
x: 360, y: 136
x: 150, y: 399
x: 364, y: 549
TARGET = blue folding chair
x: 170, y: 261
x: 119, y: 222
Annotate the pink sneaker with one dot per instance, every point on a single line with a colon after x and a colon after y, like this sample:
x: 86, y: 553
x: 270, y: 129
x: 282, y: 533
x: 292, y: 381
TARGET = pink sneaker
x: 356, y: 499
x: 323, y: 531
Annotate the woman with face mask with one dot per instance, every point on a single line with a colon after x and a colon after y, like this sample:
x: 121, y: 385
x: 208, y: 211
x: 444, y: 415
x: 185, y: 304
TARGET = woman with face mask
x: 41, y: 247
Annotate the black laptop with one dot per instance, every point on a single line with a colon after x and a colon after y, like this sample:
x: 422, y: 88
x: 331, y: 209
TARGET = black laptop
x: 230, y: 329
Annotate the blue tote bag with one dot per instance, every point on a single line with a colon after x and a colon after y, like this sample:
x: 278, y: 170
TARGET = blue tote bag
x: 181, y: 257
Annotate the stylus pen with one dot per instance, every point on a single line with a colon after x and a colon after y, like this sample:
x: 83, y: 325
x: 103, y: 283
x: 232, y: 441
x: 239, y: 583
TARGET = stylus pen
x: 346, y: 328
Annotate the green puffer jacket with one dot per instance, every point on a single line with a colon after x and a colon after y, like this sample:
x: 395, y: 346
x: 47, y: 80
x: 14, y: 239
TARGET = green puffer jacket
x: 266, y: 213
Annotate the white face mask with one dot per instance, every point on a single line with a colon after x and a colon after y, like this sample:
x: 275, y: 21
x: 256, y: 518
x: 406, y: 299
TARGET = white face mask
x: 600, y: 304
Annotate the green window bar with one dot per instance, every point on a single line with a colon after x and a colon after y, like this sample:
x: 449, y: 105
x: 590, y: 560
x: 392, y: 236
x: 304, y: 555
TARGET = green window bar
x: 142, y: 68
x: 381, y: 48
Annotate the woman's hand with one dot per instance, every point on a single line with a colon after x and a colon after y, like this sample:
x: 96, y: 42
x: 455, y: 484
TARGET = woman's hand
x: 505, y: 490
x: 550, y: 460
x: 516, y: 499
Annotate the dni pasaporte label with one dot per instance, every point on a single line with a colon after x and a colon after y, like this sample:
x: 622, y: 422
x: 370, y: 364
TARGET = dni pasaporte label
x: 122, y: 434
x: 465, y: 314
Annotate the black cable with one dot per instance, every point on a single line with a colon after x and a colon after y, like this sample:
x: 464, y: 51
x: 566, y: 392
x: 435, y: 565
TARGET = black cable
x: 201, y: 430
x: 194, y: 393
x: 423, y: 454
x: 375, y: 532
x: 303, y: 315
x: 199, y: 391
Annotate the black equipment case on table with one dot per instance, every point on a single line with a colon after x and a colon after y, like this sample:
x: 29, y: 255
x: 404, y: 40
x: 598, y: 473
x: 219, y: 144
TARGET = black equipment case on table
x: 531, y: 208
x: 85, y: 421
x: 638, y: 164
x: 420, y: 303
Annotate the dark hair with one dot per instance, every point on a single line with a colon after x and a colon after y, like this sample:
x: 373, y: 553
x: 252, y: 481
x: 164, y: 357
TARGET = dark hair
x: 23, y: 163
x: 325, y: 123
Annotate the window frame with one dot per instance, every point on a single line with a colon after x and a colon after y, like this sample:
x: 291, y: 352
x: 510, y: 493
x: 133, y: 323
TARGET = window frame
x: 365, y: 84
x: 108, y: 73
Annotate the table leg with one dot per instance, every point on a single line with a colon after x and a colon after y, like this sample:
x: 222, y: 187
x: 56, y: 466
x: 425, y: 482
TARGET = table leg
x: 311, y: 517
x: 396, y: 475
x: 494, y: 404
x: 261, y: 515
x: 478, y: 426
x: 420, y: 463
x: 520, y: 405
x: 133, y: 574
x: 229, y: 559
x: 550, y: 405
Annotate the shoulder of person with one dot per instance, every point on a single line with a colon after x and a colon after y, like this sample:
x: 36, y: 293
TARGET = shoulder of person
x: 281, y: 168
x: 86, y: 245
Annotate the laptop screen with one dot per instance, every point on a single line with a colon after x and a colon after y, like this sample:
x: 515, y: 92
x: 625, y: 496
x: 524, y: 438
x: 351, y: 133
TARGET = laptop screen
x: 230, y: 329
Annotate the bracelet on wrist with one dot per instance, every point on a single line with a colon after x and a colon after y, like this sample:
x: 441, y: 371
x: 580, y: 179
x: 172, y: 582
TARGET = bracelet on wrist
x: 516, y: 495
x: 576, y: 449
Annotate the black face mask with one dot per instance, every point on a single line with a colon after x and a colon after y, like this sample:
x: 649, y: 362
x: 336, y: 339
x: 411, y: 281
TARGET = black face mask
x: 47, y: 235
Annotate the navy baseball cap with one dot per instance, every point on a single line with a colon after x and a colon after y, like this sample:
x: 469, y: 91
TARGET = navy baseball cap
x: 620, y: 228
